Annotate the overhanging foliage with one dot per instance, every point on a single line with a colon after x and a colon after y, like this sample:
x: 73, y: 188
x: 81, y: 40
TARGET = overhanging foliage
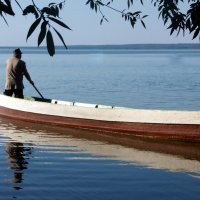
x: 47, y: 17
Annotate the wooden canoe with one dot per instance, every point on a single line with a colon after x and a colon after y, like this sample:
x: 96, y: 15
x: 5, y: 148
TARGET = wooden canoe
x: 165, y: 124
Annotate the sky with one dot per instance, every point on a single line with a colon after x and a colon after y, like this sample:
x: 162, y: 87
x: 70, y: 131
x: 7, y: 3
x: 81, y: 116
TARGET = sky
x: 86, y: 28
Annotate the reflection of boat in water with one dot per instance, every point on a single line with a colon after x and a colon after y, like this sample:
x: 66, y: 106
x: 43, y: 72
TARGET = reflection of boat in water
x: 168, y: 124
x: 179, y: 157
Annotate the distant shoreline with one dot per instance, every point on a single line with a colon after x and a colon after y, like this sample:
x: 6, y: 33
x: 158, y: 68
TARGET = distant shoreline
x: 120, y: 46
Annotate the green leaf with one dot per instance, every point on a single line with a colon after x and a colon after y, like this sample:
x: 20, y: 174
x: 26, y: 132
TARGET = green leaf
x: 172, y: 30
x: 99, y: 2
x: 193, y: 28
x: 92, y: 4
x: 61, y: 38
x: 136, y: 13
x: 171, y: 26
x: 101, y: 21
x: 51, y: 4
x: 133, y: 21
x: 42, y: 32
x: 188, y: 24
x: 29, y: 9
x: 88, y: 2
x: 50, y: 43
x: 144, y: 16
x: 96, y: 7
x: 46, y: 10
x: 60, y: 6
x: 106, y: 19
x: 129, y: 3
x: 143, y: 24
x: 196, y: 33
x: 59, y: 22
x: 57, y: 11
x: 49, y: 11
x: 33, y: 27
x: 7, y: 8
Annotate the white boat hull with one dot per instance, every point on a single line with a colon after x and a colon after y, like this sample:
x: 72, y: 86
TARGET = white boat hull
x: 139, y: 122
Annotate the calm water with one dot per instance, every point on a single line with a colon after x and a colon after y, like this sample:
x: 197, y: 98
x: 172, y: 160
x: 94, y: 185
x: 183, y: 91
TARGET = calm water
x: 144, y: 78
x: 39, y: 162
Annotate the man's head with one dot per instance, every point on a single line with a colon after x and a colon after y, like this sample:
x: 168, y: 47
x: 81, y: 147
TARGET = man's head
x: 17, y: 53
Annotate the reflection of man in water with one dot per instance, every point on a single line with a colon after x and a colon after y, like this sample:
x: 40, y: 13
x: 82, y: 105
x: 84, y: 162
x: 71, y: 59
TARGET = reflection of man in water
x: 17, y: 156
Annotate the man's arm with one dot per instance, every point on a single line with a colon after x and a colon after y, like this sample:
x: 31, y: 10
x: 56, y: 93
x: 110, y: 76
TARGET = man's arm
x: 27, y: 75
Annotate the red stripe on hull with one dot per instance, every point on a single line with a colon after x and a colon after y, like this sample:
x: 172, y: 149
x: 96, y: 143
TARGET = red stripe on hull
x: 167, y: 131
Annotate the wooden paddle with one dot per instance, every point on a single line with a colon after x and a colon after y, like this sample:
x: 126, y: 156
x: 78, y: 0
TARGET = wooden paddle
x: 37, y: 90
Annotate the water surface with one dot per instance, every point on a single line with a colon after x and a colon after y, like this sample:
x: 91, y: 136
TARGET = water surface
x: 134, y: 76
x: 42, y: 163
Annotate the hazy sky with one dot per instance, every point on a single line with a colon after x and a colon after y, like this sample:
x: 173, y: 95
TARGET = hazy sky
x: 86, y: 27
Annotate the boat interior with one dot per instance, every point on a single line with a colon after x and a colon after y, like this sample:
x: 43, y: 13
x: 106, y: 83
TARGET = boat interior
x: 68, y: 103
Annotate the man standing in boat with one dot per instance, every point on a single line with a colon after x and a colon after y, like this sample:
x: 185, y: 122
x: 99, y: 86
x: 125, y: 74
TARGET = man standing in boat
x: 15, y: 70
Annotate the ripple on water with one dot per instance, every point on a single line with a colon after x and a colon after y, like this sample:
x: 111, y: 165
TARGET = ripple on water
x: 39, y: 163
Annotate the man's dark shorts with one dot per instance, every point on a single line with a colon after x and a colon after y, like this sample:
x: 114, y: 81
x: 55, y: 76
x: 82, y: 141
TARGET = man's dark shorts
x: 18, y: 93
